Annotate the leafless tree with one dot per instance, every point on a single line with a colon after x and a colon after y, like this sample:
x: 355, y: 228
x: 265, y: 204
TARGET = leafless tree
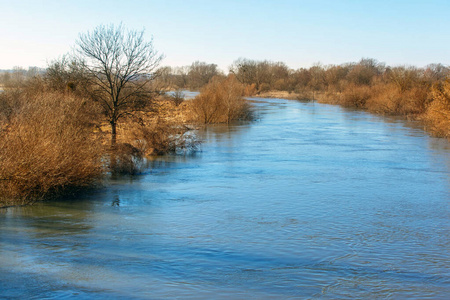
x: 120, y: 64
x: 317, y: 80
x: 265, y: 74
x: 200, y: 73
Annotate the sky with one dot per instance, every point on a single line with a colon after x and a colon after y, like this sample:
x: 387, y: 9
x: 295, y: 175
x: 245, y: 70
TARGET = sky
x: 299, y: 33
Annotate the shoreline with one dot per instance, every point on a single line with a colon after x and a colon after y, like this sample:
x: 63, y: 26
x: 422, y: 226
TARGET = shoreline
x: 326, y: 99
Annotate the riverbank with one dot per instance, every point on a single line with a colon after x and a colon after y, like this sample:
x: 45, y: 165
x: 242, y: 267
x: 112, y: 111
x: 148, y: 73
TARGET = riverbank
x: 280, y: 95
x: 434, y: 117
x: 48, y: 151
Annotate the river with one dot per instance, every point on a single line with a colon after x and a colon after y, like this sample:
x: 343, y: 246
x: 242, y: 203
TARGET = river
x: 308, y: 201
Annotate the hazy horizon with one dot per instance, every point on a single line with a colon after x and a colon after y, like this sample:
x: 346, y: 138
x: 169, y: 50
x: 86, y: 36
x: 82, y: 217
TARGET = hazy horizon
x: 298, y: 33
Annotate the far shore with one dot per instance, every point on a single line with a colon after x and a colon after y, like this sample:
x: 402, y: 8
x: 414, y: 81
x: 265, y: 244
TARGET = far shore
x: 280, y: 95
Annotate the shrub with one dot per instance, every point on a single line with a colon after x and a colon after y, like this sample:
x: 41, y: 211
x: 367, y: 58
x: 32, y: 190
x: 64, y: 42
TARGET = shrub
x: 385, y: 99
x: 250, y: 90
x: 125, y: 158
x: 177, y: 98
x: 47, y: 149
x: 141, y: 140
x: 390, y: 99
x: 437, y: 115
x: 355, y: 96
x: 164, y: 137
x: 221, y: 101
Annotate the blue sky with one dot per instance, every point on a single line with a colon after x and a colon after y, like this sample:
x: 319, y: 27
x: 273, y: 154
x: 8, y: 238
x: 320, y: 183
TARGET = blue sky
x: 297, y: 32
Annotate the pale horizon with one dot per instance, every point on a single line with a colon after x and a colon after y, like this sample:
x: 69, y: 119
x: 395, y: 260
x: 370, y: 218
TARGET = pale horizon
x: 298, y: 33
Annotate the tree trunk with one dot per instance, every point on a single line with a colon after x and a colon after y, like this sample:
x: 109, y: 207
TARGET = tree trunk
x: 113, y: 156
x: 113, y: 133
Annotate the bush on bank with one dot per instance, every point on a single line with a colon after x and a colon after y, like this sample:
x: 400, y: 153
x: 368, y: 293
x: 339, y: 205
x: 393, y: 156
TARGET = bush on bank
x: 437, y: 116
x: 47, y: 148
x: 221, y: 101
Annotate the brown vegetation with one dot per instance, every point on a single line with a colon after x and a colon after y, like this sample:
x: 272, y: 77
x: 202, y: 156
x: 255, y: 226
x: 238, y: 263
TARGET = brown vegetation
x: 368, y: 84
x: 177, y: 97
x: 437, y: 116
x: 53, y: 142
x: 47, y: 149
x: 52, y: 125
x: 221, y: 101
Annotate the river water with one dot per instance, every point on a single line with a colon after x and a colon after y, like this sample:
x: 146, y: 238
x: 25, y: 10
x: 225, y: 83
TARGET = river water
x: 308, y: 201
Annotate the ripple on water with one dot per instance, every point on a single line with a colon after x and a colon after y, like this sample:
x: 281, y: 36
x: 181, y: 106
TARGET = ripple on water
x: 310, y: 201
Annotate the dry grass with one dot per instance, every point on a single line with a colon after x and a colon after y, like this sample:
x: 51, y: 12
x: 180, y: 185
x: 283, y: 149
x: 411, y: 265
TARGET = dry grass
x: 164, y: 137
x: 282, y: 95
x: 164, y: 130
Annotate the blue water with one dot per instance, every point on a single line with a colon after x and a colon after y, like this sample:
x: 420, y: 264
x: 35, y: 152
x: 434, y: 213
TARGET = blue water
x: 308, y: 201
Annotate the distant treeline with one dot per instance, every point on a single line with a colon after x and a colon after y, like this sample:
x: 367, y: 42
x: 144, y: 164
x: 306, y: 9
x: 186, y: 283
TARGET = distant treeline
x: 419, y: 93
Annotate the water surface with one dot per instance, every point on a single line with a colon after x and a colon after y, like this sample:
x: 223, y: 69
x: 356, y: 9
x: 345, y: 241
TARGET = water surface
x: 309, y: 201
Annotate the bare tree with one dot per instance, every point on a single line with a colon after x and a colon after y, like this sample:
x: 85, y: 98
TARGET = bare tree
x: 200, y: 73
x: 317, y: 80
x: 247, y: 71
x: 181, y: 76
x: 265, y: 74
x: 165, y: 79
x: 120, y: 64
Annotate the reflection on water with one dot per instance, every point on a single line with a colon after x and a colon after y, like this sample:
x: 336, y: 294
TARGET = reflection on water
x: 309, y: 201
